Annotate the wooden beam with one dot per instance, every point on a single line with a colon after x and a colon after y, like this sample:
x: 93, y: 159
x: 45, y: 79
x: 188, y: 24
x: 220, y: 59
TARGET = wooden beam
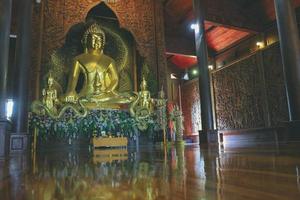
x: 229, y: 14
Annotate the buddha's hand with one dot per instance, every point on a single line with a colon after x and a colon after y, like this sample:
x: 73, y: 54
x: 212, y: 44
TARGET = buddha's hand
x: 71, y: 98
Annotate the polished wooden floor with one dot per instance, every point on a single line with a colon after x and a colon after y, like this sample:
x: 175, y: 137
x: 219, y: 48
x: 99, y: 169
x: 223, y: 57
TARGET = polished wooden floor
x: 259, y: 172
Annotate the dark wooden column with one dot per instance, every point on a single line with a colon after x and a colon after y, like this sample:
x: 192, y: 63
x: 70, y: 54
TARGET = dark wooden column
x: 5, y: 21
x: 290, y: 51
x: 23, y: 55
x: 204, y: 79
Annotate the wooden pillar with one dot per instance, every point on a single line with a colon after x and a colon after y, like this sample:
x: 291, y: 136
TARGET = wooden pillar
x: 290, y: 51
x: 204, y: 79
x: 23, y: 56
x: 5, y: 22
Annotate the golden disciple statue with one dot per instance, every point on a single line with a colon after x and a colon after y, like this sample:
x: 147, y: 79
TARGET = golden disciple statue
x: 100, y: 73
x: 146, y: 101
x: 50, y: 95
x: 142, y: 107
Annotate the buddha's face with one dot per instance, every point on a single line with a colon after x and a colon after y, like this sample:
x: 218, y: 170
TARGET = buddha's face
x: 94, y: 41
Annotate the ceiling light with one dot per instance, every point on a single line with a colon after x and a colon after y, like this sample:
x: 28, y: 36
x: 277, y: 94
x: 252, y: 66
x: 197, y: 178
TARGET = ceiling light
x: 194, y: 26
x: 260, y: 45
x: 195, y: 72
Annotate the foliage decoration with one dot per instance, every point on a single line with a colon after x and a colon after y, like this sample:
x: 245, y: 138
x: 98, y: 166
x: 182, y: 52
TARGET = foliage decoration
x: 100, y: 123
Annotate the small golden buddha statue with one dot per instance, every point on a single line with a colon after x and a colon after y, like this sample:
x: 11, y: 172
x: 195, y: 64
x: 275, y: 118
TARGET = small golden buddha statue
x: 142, y: 107
x: 50, y: 95
x: 161, y: 101
x: 99, y: 70
x: 145, y: 96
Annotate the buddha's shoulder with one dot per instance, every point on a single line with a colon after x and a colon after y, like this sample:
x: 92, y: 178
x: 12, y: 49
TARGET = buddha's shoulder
x: 84, y: 58
x: 107, y: 59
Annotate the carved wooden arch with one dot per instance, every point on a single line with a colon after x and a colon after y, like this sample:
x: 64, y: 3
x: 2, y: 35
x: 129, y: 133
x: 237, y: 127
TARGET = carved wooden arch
x: 122, y: 23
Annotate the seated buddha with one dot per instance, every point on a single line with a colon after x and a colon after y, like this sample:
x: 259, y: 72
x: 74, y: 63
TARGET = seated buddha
x: 100, y: 74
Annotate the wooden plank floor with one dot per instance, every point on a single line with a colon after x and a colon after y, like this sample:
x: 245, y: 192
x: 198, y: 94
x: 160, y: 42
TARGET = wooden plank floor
x: 263, y: 172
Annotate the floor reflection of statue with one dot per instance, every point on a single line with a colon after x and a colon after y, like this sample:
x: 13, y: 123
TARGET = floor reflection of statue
x: 177, y: 118
x: 50, y: 95
x: 99, y: 70
x: 161, y: 108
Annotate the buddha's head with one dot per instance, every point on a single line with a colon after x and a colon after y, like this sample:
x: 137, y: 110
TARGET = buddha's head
x: 94, y: 38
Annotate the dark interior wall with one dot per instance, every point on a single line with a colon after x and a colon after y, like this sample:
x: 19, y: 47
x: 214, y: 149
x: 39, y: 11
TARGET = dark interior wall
x: 274, y: 82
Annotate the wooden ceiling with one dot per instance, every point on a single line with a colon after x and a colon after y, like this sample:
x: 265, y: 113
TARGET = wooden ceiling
x: 227, y: 23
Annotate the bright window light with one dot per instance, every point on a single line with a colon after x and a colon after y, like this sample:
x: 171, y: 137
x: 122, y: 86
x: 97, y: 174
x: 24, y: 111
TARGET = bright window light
x: 173, y: 76
x: 9, y: 108
x: 186, y: 76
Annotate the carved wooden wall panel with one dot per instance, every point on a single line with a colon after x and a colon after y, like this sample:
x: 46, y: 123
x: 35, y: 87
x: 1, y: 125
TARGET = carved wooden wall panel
x: 239, y: 95
x: 191, y: 107
x: 276, y: 95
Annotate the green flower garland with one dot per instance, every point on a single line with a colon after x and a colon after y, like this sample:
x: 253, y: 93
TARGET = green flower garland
x: 100, y: 123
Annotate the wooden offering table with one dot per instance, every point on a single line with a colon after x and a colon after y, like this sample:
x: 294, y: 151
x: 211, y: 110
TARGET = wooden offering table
x: 109, y: 142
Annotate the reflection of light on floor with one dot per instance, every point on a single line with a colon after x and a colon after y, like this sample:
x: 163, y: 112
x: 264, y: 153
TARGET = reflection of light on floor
x: 109, y: 155
x: 298, y: 177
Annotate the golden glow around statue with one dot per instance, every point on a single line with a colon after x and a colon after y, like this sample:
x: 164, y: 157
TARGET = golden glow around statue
x: 99, y: 71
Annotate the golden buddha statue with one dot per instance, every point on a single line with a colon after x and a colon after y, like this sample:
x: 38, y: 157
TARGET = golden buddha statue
x: 50, y: 95
x: 100, y: 74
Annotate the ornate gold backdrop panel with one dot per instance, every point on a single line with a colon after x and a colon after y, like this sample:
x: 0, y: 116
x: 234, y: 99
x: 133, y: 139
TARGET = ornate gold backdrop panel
x: 119, y: 45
